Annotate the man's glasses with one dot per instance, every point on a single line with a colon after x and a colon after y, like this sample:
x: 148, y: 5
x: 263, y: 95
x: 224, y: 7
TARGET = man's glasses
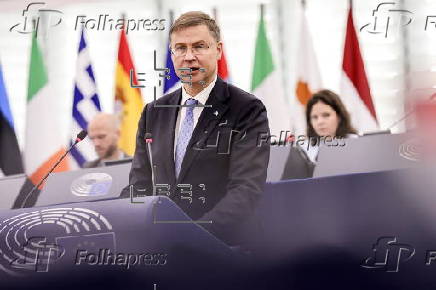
x: 196, y: 49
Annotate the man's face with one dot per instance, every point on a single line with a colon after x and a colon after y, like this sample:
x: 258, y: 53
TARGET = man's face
x: 192, y: 40
x: 104, y: 138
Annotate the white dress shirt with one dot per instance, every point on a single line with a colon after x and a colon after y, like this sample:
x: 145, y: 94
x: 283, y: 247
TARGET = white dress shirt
x: 202, y: 98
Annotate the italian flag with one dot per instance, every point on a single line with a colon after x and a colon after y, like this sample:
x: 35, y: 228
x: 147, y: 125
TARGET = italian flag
x: 355, y: 92
x: 44, y: 141
x: 266, y: 84
x: 128, y: 100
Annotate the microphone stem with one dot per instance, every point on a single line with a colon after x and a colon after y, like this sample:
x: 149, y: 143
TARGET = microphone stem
x: 404, y: 117
x: 152, y: 169
x: 411, y: 111
x: 47, y: 175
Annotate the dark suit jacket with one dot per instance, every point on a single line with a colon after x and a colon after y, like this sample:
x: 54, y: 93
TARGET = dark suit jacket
x: 223, y: 162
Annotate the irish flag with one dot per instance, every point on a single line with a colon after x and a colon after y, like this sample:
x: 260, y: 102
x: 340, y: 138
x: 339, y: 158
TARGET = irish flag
x: 128, y: 100
x: 266, y: 83
x: 308, y: 78
x: 355, y: 92
x: 44, y: 143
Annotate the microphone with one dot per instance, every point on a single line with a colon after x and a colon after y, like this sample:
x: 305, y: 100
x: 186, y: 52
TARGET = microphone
x: 82, y: 135
x: 432, y: 98
x: 148, y: 140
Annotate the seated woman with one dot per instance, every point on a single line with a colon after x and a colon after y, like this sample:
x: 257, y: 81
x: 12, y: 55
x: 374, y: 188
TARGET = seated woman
x: 326, y: 117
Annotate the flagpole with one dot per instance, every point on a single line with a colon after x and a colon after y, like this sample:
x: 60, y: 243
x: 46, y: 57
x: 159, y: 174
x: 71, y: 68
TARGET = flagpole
x: 406, y: 65
x: 171, y: 16
x: 215, y: 13
x: 123, y: 16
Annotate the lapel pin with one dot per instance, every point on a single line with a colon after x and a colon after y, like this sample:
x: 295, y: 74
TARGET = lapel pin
x: 216, y: 113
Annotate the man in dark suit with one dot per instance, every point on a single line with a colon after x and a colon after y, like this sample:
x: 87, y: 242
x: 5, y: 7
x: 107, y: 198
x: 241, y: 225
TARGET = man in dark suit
x: 206, y: 153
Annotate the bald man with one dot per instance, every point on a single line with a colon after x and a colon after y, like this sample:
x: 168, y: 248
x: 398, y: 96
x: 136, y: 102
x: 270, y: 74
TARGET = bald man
x: 104, y: 133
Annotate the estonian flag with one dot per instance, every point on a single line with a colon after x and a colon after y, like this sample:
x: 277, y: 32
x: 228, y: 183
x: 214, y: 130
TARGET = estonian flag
x: 10, y: 156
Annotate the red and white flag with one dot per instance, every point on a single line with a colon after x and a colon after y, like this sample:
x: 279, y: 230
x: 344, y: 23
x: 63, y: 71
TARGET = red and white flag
x: 355, y: 92
x: 223, y: 71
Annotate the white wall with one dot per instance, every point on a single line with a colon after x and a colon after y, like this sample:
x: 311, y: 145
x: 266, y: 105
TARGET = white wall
x: 384, y: 58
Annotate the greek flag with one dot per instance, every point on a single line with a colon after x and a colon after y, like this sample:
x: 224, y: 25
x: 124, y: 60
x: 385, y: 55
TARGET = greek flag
x: 86, y: 105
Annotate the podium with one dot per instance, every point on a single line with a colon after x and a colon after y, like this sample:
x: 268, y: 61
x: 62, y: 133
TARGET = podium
x: 368, y: 154
x: 359, y: 231
x: 86, y: 237
x: 9, y: 188
x: 85, y: 185
x: 277, y: 162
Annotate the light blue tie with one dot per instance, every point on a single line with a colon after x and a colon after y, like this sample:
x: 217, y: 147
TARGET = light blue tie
x: 185, y: 133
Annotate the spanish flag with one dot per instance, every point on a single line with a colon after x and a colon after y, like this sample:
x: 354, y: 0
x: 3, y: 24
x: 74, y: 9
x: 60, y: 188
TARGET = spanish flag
x: 128, y: 100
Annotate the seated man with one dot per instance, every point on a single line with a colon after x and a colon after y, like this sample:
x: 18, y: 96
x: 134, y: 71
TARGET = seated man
x: 104, y: 133
x: 205, y: 135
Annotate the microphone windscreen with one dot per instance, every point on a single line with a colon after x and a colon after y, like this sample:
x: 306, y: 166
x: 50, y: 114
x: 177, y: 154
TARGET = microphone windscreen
x: 82, y: 135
